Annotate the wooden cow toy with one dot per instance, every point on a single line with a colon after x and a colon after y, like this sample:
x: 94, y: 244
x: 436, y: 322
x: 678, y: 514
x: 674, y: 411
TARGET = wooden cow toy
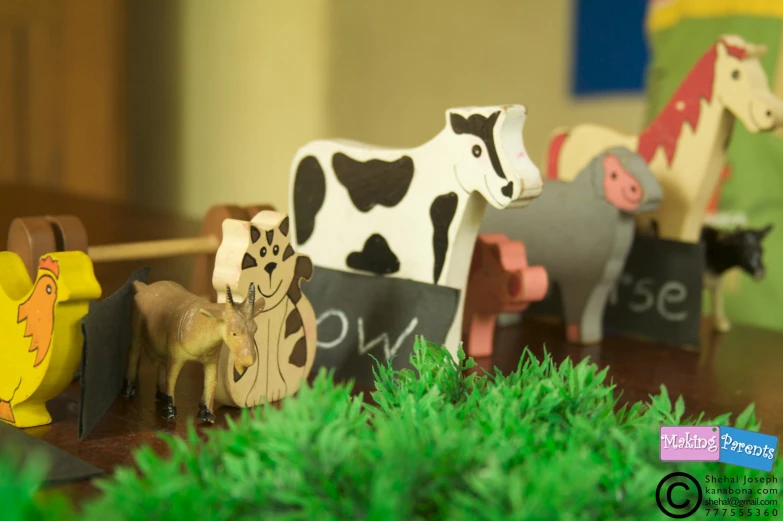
x: 500, y: 281
x: 41, y: 331
x: 724, y: 251
x: 260, y: 252
x: 174, y: 327
x: 411, y: 213
x: 582, y: 231
x: 685, y: 145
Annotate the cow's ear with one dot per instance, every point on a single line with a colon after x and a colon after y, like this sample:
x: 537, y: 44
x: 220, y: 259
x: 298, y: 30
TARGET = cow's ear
x: 458, y: 124
x: 764, y: 231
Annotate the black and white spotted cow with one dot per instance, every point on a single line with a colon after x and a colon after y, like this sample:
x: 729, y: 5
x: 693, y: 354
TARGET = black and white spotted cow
x: 411, y: 213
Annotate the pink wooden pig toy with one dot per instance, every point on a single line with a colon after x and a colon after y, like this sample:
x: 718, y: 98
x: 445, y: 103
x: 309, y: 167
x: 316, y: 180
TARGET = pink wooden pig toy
x: 500, y: 281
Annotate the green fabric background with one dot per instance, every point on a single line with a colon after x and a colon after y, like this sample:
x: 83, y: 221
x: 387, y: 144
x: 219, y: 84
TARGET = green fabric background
x: 756, y: 185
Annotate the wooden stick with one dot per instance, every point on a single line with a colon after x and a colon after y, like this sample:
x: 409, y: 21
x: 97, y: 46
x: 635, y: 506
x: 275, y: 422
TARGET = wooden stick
x: 154, y: 249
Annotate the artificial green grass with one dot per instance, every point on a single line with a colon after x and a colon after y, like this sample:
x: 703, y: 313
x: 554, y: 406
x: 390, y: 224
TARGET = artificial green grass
x: 544, y: 443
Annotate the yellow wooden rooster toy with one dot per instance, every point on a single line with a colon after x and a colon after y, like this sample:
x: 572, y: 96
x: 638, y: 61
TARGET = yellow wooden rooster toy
x: 40, y: 331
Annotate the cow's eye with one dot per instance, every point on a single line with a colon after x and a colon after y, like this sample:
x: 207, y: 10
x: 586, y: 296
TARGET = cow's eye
x: 735, y: 74
x: 263, y: 251
x: 276, y: 250
x: 476, y: 150
x: 48, y: 289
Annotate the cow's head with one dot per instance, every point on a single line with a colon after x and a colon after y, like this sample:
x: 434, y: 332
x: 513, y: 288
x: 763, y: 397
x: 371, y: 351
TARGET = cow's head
x: 489, y: 154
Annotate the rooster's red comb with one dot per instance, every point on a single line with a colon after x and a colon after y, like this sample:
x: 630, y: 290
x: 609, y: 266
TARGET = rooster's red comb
x: 48, y: 263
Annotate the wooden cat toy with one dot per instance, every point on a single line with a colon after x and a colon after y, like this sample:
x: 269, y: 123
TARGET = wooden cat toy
x: 31, y: 237
x: 686, y: 144
x: 41, y: 331
x: 581, y: 233
x: 725, y: 250
x: 260, y: 252
x: 173, y: 327
x: 500, y: 281
x: 411, y: 213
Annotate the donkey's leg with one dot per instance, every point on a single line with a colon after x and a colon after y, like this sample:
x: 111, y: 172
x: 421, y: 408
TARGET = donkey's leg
x: 160, y: 391
x: 206, y: 407
x: 169, y: 408
x: 134, y: 358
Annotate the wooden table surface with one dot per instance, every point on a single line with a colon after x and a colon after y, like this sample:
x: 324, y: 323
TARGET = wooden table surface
x: 731, y: 371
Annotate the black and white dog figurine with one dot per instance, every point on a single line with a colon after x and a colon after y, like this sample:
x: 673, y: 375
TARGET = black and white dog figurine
x: 725, y: 250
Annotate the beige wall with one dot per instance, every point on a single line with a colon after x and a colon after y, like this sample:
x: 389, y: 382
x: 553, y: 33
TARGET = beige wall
x: 257, y: 79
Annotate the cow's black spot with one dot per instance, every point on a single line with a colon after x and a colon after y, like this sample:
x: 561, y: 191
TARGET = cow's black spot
x: 270, y: 235
x: 284, y: 227
x: 481, y: 127
x: 237, y: 375
x: 442, y: 213
x: 375, y: 181
x: 376, y: 257
x: 508, y: 189
x: 248, y: 261
x: 293, y: 323
x: 255, y: 233
x: 309, y: 194
x: 298, y: 356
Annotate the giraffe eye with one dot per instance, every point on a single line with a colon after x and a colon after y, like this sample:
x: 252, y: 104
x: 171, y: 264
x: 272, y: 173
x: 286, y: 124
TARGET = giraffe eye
x: 735, y: 74
x: 49, y: 289
x: 263, y: 251
x: 276, y: 250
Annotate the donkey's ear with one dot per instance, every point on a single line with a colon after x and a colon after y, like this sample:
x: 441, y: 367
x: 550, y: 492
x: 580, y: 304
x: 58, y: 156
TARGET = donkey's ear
x: 259, y: 306
x: 764, y: 231
x: 208, y: 314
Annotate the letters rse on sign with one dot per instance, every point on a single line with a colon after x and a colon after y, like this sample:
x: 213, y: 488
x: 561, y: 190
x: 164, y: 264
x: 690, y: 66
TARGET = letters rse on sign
x: 658, y: 296
x: 667, y: 299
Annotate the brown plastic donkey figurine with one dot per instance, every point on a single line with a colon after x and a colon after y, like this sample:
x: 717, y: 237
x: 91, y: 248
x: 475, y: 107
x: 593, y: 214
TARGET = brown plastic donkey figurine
x: 175, y: 326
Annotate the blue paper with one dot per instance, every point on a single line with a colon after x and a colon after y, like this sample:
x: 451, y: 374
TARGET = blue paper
x: 747, y: 449
x: 610, y: 48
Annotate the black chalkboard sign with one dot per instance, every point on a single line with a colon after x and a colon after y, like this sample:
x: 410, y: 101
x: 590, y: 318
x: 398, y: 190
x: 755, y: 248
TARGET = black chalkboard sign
x: 107, y: 340
x: 360, y: 315
x: 659, y: 294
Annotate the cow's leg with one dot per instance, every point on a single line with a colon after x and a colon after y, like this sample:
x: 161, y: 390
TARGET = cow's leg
x: 169, y: 409
x: 207, y: 406
x: 160, y: 391
x: 720, y: 322
x: 134, y: 358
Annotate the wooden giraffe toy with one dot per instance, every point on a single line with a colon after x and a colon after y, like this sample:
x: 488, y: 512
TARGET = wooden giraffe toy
x: 500, y: 282
x: 259, y: 252
x: 686, y: 144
